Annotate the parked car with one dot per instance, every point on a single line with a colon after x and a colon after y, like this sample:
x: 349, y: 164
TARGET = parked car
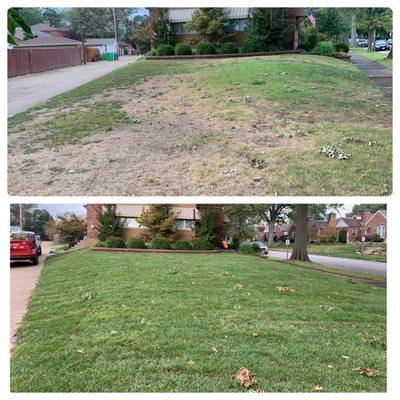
x: 23, y: 247
x: 381, y: 45
x: 262, y: 246
x: 362, y: 42
x: 390, y: 41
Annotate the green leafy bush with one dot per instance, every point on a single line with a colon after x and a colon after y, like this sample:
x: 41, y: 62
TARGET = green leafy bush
x: 253, y: 45
x: 99, y: 243
x: 325, y: 48
x: 115, y: 242
x: 248, y: 248
x: 183, y: 245
x: 183, y: 49
x: 205, y: 47
x: 229, y: 48
x: 152, y: 52
x: 165, y: 50
x: 160, y: 242
x: 135, y: 243
x: 202, y: 243
x: 341, y: 47
x: 308, y: 38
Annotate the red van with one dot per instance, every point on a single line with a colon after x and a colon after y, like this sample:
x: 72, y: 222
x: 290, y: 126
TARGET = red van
x: 23, y: 247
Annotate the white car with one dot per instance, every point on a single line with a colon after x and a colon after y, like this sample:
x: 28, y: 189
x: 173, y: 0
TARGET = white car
x: 262, y: 246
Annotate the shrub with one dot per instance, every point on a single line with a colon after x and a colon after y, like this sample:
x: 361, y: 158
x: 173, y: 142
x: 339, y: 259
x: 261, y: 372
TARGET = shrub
x: 183, y: 49
x: 253, y: 45
x: 183, y: 245
x: 115, y: 242
x: 342, y: 237
x: 152, y: 52
x: 325, y: 48
x: 341, y: 47
x: 135, y: 243
x: 205, y: 47
x: 165, y: 50
x: 248, y: 248
x: 376, y: 238
x: 308, y: 39
x: 99, y: 243
x: 229, y: 48
x: 160, y: 242
x: 202, y: 243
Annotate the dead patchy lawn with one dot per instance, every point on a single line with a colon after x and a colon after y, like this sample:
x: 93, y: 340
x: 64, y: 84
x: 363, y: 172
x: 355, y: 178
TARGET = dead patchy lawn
x: 224, y: 127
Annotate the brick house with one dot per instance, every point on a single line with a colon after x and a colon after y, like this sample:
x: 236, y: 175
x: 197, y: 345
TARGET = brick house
x: 375, y: 224
x: 286, y: 21
x: 187, y: 215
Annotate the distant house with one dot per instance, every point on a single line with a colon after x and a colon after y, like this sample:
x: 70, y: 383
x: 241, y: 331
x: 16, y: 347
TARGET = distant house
x: 375, y: 224
x: 53, y: 31
x: 109, y: 45
x: 286, y: 22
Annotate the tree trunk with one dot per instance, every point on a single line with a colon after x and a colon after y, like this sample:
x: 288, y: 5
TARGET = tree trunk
x: 353, y: 30
x: 271, y: 226
x: 371, y: 39
x: 300, y: 241
x: 390, y: 55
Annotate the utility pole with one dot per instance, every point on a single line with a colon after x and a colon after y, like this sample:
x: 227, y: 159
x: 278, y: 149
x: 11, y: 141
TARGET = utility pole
x: 21, y: 218
x: 115, y: 32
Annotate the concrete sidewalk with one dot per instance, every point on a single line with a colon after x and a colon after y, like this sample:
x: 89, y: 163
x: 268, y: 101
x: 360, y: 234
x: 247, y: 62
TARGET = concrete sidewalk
x: 29, y: 90
x: 23, y: 280
x: 381, y: 76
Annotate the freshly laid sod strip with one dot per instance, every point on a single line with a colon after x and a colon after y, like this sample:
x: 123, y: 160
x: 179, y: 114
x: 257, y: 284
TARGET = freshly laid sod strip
x: 340, y: 250
x: 107, y: 322
x: 286, y: 125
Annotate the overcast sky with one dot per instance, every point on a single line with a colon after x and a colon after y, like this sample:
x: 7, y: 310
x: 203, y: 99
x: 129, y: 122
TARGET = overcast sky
x: 78, y: 209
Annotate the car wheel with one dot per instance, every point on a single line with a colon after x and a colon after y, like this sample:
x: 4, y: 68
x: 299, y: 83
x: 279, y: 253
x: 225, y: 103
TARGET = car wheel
x: 40, y: 251
x: 35, y: 260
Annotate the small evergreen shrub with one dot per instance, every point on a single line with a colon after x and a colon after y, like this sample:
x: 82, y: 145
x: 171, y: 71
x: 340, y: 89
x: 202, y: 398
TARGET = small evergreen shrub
x: 205, y: 47
x: 202, y: 243
x: 115, y: 242
x: 99, y: 243
x: 325, y: 48
x: 152, y: 52
x: 183, y: 245
x: 341, y: 47
x: 229, y: 48
x: 165, y: 50
x: 247, y: 248
x: 183, y: 49
x: 135, y: 243
x: 160, y: 242
x: 253, y: 45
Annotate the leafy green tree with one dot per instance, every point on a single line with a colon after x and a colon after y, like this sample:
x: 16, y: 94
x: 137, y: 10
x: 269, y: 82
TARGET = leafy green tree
x: 160, y: 29
x: 31, y: 15
x: 332, y: 22
x: 140, y: 35
x: 110, y: 223
x: 158, y: 219
x: 72, y: 228
x: 359, y: 208
x: 15, y: 20
x: 211, y: 225
x: 211, y: 23
x: 37, y: 220
x: 15, y: 212
x: 53, y: 15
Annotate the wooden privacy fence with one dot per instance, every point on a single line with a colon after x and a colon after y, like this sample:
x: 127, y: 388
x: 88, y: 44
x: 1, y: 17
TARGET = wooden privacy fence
x: 32, y: 61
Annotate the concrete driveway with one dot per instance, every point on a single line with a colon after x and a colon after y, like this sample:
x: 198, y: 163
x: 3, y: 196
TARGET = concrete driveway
x: 349, y: 264
x: 23, y: 279
x: 29, y: 90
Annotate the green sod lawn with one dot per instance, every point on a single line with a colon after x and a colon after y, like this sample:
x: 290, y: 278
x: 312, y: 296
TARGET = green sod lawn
x: 377, y: 56
x: 109, y: 322
x: 340, y: 250
x: 251, y: 126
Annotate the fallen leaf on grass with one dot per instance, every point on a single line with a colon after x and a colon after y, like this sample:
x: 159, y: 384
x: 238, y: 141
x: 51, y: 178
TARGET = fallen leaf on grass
x: 156, y: 347
x: 80, y: 351
x: 214, y: 349
x: 238, y: 286
x: 366, y: 372
x: 318, y: 388
x: 284, y: 289
x: 244, y: 378
x: 255, y: 334
x: 190, y: 362
x: 257, y: 390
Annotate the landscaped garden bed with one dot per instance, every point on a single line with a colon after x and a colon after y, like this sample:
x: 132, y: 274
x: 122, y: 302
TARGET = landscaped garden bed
x: 127, y: 250
x: 120, y: 322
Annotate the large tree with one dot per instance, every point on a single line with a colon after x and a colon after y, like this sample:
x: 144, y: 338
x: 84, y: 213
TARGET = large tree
x: 37, y: 220
x: 359, y: 208
x: 300, y: 241
x: 15, y: 213
x: 270, y: 213
x: 211, y: 224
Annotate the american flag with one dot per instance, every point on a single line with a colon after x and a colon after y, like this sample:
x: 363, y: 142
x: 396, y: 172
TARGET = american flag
x: 313, y: 19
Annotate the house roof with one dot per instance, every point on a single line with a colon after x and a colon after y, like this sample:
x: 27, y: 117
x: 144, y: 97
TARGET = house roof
x: 103, y: 42
x: 352, y: 222
x: 48, y: 41
x: 19, y: 33
x: 135, y: 210
x: 180, y: 15
x: 320, y: 223
x: 45, y: 26
x: 382, y: 212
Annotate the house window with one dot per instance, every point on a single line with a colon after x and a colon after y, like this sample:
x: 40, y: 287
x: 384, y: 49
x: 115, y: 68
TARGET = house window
x: 354, y: 232
x: 183, y: 224
x: 238, y: 25
x: 131, y: 223
x: 381, y: 231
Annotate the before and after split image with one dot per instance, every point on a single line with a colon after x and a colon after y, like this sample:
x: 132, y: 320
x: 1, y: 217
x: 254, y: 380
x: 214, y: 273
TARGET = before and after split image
x: 272, y: 293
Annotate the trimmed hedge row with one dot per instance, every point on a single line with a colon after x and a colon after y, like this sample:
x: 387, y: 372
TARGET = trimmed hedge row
x: 159, y: 242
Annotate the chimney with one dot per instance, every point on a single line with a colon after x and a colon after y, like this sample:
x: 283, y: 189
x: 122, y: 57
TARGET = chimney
x: 366, y: 215
x: 92, y: 212
x: 332, y: 220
